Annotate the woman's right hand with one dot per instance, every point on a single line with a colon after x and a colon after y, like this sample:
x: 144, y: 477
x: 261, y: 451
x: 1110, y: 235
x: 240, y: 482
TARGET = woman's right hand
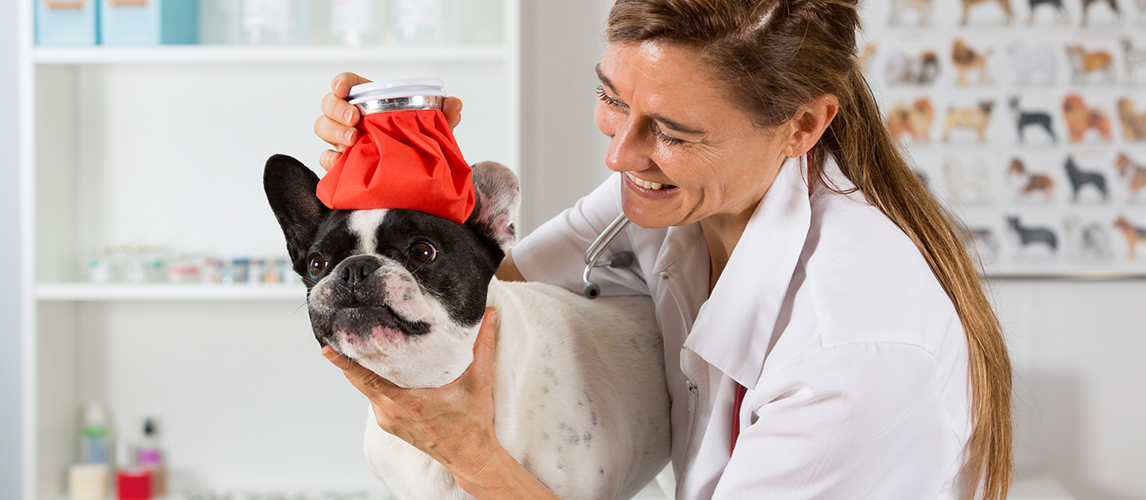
x: 336, y: 125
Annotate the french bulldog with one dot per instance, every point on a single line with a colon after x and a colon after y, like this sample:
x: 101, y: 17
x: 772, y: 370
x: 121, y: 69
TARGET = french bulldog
x: 579, y: 389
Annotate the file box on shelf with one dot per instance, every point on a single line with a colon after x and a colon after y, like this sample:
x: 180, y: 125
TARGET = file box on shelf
x: 66, y: 22
x: 148, y: 22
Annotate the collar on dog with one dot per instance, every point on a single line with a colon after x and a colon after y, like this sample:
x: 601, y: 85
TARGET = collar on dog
x: 406, y: 156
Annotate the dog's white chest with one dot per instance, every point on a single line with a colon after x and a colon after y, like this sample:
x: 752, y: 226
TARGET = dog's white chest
x: 579, y: 393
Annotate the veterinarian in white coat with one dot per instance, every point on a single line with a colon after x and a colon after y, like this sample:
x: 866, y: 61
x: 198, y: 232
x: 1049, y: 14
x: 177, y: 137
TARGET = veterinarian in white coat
x: 790, y: 251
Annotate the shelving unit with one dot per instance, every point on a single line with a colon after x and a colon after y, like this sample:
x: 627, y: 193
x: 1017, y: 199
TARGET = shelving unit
x: 268, y: 54
x: 165, y: 145
x: 90, y: 292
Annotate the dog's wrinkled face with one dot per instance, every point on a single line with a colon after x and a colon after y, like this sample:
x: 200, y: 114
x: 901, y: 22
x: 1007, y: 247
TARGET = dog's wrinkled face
x: 399, y: 291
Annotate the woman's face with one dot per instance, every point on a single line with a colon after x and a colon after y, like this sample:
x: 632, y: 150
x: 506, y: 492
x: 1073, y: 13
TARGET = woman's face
x: 686, y: 152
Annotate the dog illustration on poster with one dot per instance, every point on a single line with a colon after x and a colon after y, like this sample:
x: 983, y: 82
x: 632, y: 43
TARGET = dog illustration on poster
x: 914, y: 122
x: 922, y: 9
x: 974, y: 118
x: 1081, y: 178
x: 968, y: 60
x: 1113, y: 4
x: 1133, y: 173
x: 1080, y: 118
x: 1133, y: 234
x: 1133, y: 122
x: 1084, y: 63
x: 903, y: 69
x: 1059, y: 10
x: 1134, y: 58
x: 1026, y: 118
x: 1031, y: 236
x: 1005, y: 5
x: 1031, y: 184
x: 1087, y: 240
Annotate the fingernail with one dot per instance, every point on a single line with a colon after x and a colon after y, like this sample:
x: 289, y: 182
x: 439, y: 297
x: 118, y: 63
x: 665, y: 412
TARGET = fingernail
x: 350, y: 137
x: 327, y: 352
x: 348, y: 116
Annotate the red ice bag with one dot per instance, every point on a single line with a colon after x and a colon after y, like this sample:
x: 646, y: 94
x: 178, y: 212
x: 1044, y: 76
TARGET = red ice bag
x: 404, y: 158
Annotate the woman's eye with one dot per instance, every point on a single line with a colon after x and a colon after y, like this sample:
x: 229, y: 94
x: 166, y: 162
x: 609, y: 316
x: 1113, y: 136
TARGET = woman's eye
x: 665, y: 138
x: 422, y: 252
x: 609, y: 100
x: 317, y: 265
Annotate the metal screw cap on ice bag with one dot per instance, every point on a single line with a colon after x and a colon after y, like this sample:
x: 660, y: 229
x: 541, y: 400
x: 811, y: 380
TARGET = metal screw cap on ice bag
x: 398, y: 95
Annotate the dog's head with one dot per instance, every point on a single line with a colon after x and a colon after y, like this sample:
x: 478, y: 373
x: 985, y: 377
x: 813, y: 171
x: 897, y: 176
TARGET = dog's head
x: 399, y: 291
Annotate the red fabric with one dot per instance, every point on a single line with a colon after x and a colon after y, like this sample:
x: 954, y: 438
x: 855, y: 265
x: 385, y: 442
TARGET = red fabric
x: 737, y: 402
x: 403, y: 159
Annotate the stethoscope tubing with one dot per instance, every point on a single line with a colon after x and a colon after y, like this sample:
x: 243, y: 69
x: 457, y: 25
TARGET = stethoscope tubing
x: 597, y: 248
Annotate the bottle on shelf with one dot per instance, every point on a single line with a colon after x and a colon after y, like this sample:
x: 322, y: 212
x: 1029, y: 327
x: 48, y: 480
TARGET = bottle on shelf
x: 359, y: 22
x: 219, y: 22
x: 89, y: 479
x: 274, y: 21
x: 95, y: 445
x: 151, y: 457
x: 426, y: 22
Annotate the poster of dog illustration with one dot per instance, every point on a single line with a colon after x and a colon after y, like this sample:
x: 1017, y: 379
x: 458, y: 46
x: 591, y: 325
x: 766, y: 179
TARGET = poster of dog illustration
x: 1027, y: 118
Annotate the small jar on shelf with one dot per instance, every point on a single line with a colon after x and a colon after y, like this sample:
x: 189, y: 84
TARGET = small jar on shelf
x: 426, y: 22
x: 274, y: 21
x: 352, y: 22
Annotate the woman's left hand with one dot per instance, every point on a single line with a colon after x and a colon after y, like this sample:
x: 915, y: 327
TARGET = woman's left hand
x: 453, y: 423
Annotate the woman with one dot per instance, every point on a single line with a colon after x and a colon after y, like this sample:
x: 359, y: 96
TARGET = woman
x: 831, y: 331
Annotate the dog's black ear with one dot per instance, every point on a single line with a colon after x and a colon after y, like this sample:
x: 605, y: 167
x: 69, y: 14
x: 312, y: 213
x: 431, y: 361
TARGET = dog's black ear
x: 290, y: 188
x: 498, y: 201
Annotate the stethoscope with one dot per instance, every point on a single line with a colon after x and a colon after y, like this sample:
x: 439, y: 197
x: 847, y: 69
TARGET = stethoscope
x: 619, y: 259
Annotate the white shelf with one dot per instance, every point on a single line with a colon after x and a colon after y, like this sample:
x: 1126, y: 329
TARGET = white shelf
x: 92, y: 292
x: 267, y: 54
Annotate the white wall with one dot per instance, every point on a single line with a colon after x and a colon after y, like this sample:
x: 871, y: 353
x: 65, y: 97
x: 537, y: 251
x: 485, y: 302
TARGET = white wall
x: 1080, y: 397
x: 1077, y: 346
x: 562, y: 151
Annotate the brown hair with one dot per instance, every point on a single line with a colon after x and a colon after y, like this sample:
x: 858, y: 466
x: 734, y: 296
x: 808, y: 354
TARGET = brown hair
x: 772, y: 56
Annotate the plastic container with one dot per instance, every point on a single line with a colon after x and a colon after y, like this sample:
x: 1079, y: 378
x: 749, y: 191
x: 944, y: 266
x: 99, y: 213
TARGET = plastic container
x: 151, y: 458
x: 89, y: 481
x: 95, y: 447
x: 359, y: 22
x: 275, y: 22
x: 220, y: 22
x: 426, y: 22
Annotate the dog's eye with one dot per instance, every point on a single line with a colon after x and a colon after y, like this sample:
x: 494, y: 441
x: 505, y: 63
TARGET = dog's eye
x: 317, y: 265
x: 422, y: 252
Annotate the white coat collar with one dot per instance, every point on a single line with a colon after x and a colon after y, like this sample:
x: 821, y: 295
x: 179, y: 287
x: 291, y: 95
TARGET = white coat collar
x: 734, y: 327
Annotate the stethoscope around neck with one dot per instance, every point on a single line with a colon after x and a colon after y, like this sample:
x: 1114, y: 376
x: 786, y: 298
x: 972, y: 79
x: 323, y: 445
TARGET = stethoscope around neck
x: 619, y: 259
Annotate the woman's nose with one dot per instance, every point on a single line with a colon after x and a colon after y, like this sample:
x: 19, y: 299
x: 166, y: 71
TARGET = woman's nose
x: 626, y: 148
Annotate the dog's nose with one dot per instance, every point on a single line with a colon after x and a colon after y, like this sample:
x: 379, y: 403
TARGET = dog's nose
x: 357, y: 269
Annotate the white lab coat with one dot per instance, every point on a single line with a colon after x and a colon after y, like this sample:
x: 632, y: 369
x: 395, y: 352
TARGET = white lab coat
x: 853, y: 355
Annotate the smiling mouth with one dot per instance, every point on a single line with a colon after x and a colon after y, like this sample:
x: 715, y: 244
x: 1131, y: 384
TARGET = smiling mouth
x: 655, y: 186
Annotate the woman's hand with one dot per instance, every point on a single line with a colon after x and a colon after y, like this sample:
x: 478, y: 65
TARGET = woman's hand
x: 336, y: 125
x: 453, y: 423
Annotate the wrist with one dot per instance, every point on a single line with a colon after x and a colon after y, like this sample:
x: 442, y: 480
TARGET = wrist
x: 502, y: 477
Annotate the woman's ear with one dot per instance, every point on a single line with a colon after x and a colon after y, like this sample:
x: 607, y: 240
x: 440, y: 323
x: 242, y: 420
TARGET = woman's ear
x: 809, y: 124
